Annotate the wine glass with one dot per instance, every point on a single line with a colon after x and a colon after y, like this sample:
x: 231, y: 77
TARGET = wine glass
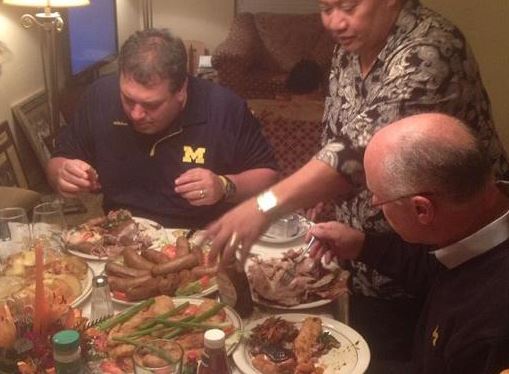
x: 48, y: 224
x: 14, y: 231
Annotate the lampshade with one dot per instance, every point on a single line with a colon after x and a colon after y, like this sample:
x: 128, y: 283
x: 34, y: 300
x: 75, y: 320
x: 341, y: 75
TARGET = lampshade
x: 47, y: 3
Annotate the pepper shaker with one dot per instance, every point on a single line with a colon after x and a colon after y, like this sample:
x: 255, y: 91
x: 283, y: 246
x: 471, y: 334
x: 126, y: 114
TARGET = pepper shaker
x: 101, y: 304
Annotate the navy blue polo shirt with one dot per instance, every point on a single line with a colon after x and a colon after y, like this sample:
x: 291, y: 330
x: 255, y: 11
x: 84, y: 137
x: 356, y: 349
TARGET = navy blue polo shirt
x: 216, y: 131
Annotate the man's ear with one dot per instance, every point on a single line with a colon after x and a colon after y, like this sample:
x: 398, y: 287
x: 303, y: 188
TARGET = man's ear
x: 423, y: 209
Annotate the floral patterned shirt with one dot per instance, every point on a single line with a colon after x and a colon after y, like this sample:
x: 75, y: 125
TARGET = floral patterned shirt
x: 426, y: 66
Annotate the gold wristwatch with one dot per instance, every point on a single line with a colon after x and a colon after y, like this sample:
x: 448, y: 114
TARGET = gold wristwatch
x: 266, y: 201
x: 229, y: 187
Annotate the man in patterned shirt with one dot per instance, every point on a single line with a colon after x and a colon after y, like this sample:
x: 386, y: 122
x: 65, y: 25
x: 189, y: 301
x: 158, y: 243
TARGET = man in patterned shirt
x: 393, y: 58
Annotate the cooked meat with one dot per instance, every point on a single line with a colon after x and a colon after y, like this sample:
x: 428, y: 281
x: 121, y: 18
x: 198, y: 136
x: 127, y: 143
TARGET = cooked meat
x: 304, y: 343
x: 309, y: 282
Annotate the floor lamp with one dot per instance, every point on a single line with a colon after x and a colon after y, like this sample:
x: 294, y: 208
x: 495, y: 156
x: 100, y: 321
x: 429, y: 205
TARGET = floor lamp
x: 148, y: 22
x: 50, y: 23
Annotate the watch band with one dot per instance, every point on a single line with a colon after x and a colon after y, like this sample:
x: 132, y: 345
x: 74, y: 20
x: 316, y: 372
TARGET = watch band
x: 229, y: 187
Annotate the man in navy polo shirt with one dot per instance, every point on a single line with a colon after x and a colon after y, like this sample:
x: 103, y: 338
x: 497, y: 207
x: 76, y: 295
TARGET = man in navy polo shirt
x: 165, y: 145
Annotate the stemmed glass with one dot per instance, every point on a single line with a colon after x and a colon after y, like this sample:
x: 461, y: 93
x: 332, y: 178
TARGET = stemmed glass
x: 48, y: 224
x: 14, y: 231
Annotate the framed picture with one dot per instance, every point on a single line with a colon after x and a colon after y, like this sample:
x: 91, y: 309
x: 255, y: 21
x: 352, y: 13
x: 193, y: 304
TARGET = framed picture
x: 11, y: 171
x: 32, y: 115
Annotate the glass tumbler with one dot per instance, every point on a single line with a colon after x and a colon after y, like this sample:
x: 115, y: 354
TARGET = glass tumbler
x: 14, y: 231
x: 48, y: 224
x: 159, y: 356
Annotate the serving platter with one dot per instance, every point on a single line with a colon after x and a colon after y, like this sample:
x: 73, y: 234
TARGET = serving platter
x: 208, y: 291
x: 232, y: 341
x: 352, y: 357
x: 170, y: 237
x: 312, y: 304
x: 153, y: 230
x: 86, y: 284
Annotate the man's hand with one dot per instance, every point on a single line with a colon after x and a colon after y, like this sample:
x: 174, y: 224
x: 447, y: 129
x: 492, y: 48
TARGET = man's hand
x: 76, y: 176
x: 336, y: 240
x: 237, y: 230
x: 200, y: 187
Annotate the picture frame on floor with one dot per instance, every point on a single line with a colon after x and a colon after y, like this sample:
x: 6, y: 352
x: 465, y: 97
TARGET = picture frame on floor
x: 32, y: 116
x: 11, y: 170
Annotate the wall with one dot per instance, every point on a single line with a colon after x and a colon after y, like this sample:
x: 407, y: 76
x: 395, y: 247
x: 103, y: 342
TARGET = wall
x: 484, y: 23
x: 207, y: 21
x: 486, y: 26
x: 21, y: 71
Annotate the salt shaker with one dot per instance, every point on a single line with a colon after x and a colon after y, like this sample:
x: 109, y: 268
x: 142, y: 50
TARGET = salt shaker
x: 101, y: 305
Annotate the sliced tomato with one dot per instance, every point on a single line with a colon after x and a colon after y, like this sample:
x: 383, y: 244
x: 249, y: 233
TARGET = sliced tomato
x: 229, y: 330
x: 119, y: 295
x: 191, y: 310
x: 204, y: 281
x: 170, y: 250
x: 110, y: 367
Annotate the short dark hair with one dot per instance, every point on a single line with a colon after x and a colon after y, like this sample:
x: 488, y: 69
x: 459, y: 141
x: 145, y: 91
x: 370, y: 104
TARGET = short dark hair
x: 154, y: 54
x: 428, y: 163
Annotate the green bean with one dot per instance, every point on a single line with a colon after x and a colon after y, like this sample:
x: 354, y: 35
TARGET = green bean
x: 200, y: 317
x: 125, y: 315
x: 152, y: 321
x: 156, y: 350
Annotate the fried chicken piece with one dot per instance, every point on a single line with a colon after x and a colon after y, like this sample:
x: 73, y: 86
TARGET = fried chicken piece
x: 307, y: 339
x: 122, y: 350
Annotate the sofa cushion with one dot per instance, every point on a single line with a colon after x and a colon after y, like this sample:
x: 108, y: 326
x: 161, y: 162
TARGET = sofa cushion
x: 322, y: 51
x: 18, y: 197
x: 287, y: 37
x: 243, y: 42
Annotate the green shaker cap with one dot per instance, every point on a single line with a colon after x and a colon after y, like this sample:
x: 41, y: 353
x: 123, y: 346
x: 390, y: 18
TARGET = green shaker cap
x: 66, y: 340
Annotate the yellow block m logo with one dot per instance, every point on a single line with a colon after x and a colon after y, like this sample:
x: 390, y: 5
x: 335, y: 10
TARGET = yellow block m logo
x: 191, y: 155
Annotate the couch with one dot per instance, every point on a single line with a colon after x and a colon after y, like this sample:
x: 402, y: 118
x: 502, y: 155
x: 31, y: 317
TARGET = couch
x: 261, y: 49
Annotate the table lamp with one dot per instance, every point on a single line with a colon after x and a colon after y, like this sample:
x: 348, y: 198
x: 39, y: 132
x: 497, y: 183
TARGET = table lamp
x: 50, y: 22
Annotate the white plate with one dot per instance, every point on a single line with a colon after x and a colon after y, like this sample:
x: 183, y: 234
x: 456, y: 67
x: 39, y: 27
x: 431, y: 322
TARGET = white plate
x: 303, y: 228
x: 155, y: 231
x: 205, y: 292
x: 86, y: 285
x: 267, y: 303
x: 312, y: 304
x: 170, y: 237
x: 351, y: 358
x: 234, y: 339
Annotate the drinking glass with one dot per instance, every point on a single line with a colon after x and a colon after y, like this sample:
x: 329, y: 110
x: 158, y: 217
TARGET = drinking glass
x: 48, y: 224
x: 14, y: 231
x: 158, y: 356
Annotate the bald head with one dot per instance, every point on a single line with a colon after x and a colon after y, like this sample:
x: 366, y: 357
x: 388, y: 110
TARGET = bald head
x: 426, y: 152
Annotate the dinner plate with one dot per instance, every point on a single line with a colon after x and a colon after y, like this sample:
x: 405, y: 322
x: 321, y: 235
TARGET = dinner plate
x: 352, y: 357
x: 312, y: 304
x: 152, y: 229
x: 205, y: 292
x: 170, y: 237
x: 86, y: 288
x: 273, y: 239
x: 231, y: 341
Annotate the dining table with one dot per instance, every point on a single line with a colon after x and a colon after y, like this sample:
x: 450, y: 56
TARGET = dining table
x: 336, y: 309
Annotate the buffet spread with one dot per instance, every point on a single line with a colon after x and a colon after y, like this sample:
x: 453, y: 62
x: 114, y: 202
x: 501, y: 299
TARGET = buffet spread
x: 158, y: 280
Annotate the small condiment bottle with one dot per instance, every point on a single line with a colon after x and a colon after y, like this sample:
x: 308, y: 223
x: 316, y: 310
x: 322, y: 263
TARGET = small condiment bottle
x: 67, y: 352
x: 233, y: 287
x: 101, y: 304
x: 214, y: 359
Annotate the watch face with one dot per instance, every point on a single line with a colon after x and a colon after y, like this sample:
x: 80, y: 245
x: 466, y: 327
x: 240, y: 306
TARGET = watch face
x: 266, y: 201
